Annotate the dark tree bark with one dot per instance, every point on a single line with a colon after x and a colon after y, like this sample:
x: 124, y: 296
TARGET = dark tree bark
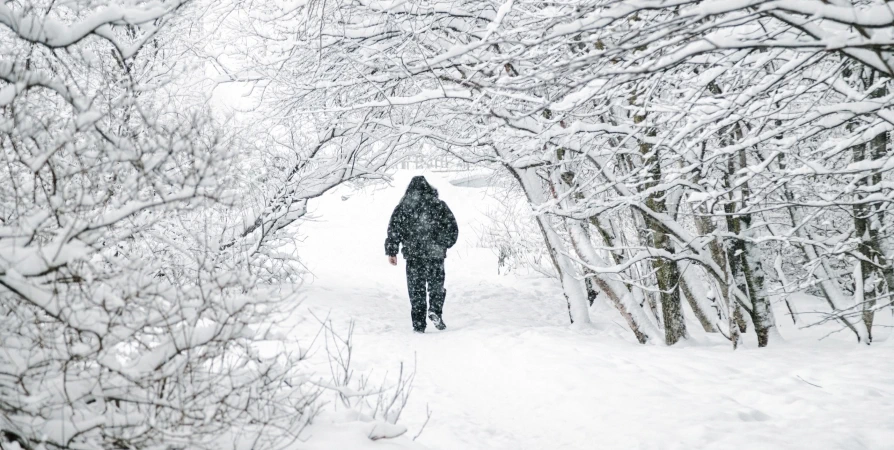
x: 666, y: 270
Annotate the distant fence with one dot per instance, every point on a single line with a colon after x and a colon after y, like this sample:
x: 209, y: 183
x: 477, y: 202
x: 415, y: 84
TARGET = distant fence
x: 440, y: 163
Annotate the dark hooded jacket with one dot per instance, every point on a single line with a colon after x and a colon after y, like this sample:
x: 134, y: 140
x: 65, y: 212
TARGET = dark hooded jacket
x: 422, y: 223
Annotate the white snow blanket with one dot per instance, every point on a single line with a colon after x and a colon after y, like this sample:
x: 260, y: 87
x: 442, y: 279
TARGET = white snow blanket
x: 509, y: 373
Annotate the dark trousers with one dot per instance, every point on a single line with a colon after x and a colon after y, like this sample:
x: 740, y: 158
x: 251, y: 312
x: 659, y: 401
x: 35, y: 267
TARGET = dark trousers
x: 422, y: 272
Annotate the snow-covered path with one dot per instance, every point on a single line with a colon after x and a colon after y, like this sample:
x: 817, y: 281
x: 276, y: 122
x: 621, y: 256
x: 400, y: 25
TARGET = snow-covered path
x: 510, y: 374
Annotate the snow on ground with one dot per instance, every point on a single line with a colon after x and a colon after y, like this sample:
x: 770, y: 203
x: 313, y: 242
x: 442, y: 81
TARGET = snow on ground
x: 509, y: 373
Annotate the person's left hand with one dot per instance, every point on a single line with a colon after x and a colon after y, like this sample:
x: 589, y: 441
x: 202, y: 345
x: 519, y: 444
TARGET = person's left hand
x: 392, y: 260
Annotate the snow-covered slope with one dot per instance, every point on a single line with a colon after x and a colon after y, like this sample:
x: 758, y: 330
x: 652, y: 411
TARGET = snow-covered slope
x: 508, y: 373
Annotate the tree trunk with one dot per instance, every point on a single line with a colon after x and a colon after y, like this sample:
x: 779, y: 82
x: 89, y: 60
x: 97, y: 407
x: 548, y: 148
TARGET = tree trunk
x: 703, y: 319
x: 607, y: 233
x: 873, y: 276
x: 667, y: 272
x: 745, y: 262
x: 871, y: 260
x: 618, y: 293
x: 705, y: 226
x: 574, y: 289
x: 823, y: 274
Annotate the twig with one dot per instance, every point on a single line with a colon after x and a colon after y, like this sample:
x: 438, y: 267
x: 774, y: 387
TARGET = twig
x: 799, y: 377
x: 427, y: 418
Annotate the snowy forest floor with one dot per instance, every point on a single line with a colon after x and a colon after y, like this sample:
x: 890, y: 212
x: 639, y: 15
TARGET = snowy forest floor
x: 509, y: 373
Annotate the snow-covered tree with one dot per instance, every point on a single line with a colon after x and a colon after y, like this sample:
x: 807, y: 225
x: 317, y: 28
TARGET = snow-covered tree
x: 141, y: 249
x: 671, y: 151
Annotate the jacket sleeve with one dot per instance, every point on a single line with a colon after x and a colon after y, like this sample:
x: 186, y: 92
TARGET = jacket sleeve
x: 451, y: 230
x: 395, y: 225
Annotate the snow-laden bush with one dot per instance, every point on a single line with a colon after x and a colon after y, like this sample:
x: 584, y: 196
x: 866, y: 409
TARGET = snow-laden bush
x: 512, y: 235
x: 139, y: 251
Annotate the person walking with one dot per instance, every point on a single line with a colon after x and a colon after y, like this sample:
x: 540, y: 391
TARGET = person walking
x: 423, y: 225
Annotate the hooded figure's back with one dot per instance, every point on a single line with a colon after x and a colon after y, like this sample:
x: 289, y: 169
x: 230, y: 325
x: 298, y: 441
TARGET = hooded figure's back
x: 422, y: 223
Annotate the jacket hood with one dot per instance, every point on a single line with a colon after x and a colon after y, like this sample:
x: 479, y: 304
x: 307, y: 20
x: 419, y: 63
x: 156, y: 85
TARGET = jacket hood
x: 419, y: 191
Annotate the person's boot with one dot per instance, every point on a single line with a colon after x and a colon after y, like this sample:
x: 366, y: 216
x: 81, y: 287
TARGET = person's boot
x: 419, y: 331
x: 436, y: 320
